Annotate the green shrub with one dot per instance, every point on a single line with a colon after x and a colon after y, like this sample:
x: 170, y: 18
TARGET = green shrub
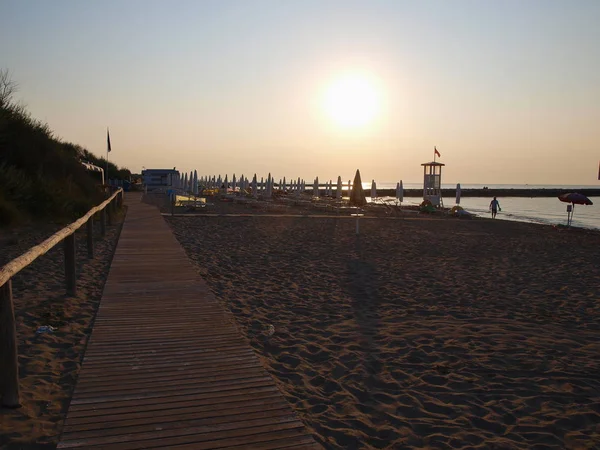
x: 41, y: 177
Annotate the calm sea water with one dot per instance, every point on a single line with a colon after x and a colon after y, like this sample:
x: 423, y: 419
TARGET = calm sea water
x: 388, y: 185
x: 544, y: 210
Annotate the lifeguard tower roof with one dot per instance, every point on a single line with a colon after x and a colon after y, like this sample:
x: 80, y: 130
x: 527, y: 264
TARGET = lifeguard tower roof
x: 433, y: 163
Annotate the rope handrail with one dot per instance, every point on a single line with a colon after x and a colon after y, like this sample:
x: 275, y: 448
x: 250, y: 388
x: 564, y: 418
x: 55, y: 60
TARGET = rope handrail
x: 16, y: 265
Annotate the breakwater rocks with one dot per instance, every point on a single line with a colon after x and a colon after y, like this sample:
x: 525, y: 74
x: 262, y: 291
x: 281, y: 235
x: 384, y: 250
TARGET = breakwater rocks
x: 491, y: 192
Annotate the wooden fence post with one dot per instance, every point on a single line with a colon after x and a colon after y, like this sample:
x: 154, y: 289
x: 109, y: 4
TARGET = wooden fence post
x: 109, y: 213
x: 70, y: 265
x: 90, y: 237
x: 9, y: 374
x: 103, y: 222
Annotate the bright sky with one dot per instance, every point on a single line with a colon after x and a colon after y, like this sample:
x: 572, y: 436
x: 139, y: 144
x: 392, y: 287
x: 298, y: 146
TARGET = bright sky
x: 507, y: 90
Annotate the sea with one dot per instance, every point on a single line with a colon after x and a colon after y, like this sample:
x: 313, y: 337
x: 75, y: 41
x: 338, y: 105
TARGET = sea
x: 543, y: 210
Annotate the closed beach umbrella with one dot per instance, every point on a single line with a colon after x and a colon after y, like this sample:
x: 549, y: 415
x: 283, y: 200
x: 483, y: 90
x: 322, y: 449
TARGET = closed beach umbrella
x: 373, y: 189
x: 233, y: 180
x: 254, y: 187
x: 282, y: 187
x: 185, y: 182
x: 338, y: 193
x: 226, y: 183
x: 190, y: 185
x: 195, y: 185
x: 458, y: 194
x: 357, y: 196
x: 398, y: 193
x: 316, y: 187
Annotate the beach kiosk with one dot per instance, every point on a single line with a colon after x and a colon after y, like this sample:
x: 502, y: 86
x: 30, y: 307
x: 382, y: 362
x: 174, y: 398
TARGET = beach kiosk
x: 160, y: 178
x: 432, y: 183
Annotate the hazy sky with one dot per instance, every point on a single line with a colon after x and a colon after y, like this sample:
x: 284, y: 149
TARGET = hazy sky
x: 508, y: 91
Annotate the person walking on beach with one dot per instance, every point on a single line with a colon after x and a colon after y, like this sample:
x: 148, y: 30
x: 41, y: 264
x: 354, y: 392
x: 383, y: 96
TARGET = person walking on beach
x: 495, y: 207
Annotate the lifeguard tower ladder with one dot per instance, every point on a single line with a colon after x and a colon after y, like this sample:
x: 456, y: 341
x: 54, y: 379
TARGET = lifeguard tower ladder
x: 432, y: 183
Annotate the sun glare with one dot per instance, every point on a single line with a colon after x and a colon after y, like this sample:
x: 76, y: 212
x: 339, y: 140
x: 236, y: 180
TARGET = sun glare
x: 352, y: 102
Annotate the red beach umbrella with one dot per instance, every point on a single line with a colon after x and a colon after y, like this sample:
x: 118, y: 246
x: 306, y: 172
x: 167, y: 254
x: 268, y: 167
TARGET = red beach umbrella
x: 575, y: 198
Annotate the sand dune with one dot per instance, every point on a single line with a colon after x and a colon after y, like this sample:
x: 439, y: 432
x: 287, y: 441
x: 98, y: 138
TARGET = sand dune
x: 419, y: 333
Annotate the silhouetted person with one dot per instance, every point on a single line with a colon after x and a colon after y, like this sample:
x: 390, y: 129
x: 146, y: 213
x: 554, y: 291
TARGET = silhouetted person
x: 495, y: 207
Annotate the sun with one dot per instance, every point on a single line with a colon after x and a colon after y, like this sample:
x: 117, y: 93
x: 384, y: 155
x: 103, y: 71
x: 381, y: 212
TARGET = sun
x: 352, y: 101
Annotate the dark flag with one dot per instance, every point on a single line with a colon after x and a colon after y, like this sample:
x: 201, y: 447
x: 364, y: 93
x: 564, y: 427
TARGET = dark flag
x: 107, y: 140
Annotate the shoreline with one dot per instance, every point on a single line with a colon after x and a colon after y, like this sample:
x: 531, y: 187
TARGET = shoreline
x: 491, y: 192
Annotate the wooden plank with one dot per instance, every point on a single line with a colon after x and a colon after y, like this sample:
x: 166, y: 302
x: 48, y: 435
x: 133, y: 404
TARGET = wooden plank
x: 168, y: 391
x: 176, y: 421
x: 156, y: 416
x: 154, y: 396
x: 152, y: 376
x: 242, y: 396
x: 174, y: 377
x: 202, y: 436
x: 166, y: 365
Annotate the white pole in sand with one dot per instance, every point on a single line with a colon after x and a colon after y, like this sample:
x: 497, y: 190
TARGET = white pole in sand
x: 357, y: 225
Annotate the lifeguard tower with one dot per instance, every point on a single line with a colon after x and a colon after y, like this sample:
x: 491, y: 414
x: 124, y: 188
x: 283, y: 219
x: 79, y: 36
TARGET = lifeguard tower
x: 432, y: 183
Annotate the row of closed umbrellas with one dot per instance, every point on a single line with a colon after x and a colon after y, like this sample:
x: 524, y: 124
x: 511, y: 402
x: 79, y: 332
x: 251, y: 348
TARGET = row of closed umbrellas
x: 191, y: 184
x: 357, y: 197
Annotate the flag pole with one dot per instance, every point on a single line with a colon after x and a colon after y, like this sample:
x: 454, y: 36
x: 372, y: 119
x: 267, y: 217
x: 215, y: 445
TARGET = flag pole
x: 107, y: 152
x: 107, y: 141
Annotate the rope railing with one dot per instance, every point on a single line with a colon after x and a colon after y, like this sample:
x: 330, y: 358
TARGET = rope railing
x: 9, y: 371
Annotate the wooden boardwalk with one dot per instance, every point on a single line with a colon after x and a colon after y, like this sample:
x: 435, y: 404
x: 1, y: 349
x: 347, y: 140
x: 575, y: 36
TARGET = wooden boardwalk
x: 166, y: 366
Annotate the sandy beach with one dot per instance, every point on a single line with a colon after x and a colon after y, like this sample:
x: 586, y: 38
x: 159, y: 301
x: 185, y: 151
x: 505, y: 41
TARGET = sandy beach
x: 422, y: 332
x: 49, y: 362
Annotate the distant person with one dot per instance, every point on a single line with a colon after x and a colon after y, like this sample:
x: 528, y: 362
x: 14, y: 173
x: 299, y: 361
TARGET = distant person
x: 495, y: 207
